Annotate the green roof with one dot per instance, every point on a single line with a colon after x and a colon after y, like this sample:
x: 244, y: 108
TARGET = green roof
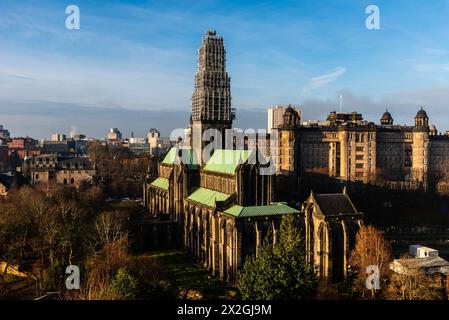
x: 226, y: 161
x: 207, y: 196
x: 187, y: 156
x: 160, y: 183
x: 260, y: 211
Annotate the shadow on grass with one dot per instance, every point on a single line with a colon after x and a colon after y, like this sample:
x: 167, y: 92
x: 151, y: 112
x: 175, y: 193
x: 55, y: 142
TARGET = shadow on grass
x: 183, y: 272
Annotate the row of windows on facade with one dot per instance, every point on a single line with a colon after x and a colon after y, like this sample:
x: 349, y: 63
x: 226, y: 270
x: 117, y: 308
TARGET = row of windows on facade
x: 322, y: 145
x: 64, y: 166
x: 313, y: 149
x: 361, y: 137
x: 381, y: 161
x: 44, y: 160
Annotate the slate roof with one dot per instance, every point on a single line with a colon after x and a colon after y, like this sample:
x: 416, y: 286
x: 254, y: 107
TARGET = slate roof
x: 335, y: 204
x: 423, y: 263
x: 6, y: 180
x: 16, y: 179
x: 273, y: 209
x: 227, y: 161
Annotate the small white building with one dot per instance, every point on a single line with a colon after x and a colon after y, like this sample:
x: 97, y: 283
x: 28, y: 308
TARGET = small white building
x: 419, y: 251
x: 134, y: 140
x: 423, y: 258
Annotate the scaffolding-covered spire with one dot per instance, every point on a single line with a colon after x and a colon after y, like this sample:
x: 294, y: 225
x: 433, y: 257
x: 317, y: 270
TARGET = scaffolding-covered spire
x: 211, y: 100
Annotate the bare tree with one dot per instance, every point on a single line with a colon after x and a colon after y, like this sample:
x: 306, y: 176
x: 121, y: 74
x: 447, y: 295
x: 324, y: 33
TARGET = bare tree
x: 371, y: 248
x: 413, y: 284
x: 110, y: 228
x: 14, y: 233
x: 95, y: 284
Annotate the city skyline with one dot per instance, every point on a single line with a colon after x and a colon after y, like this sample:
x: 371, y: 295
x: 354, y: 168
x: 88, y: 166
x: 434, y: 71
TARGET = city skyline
x: 307, y: 54
x: 221, y: 152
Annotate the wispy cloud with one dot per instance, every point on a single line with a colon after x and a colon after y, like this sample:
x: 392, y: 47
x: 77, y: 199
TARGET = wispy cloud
x: 437, y: 51
x: 431, y: 67
x: 322, y: 80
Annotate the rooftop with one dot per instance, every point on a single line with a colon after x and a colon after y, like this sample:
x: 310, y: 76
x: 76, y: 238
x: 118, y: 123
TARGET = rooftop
x: 227, y: 161
x: 335, y: 204
x: 161, y: 183
x: 207, y: 197
x: 273, y: 209
x: 186, y: 156
x: 423, y: 263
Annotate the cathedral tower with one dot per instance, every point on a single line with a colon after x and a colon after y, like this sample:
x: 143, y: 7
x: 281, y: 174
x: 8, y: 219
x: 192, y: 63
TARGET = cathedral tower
x: 211, y: 100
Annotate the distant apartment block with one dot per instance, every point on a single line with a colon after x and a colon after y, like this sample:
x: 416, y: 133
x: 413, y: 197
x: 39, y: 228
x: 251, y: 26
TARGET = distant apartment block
x: 58, y: 137
x: 276, y: 116
x: 138, y: 145
x: 3, y: 132
x: 153, y: 140
x: 114, y: 134
x: 61, y: 145
x: 134, y: 140
x: 23, y: 147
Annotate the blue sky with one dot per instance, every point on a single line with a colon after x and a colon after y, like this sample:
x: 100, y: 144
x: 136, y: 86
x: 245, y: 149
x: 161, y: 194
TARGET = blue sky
x: 132, y: 62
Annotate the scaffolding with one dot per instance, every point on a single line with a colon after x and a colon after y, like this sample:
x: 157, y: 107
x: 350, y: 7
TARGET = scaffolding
x: 211, y: 100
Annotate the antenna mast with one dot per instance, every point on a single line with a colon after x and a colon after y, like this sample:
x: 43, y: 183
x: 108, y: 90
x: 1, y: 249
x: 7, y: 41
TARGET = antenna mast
x: 340, y: 97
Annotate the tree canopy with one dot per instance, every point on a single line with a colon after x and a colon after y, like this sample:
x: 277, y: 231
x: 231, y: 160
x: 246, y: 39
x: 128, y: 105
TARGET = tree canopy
x: 280, y: 270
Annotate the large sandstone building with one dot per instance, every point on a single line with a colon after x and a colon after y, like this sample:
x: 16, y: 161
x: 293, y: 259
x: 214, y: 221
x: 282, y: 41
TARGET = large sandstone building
x: 53, y: 169
x: 222, y: 203
x: 350, y: 148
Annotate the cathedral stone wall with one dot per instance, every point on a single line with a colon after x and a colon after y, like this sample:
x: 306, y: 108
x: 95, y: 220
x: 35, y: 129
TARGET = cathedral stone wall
x: 220, y: 242
x: 331, y: 224
x: 220, y: 182
x: 165, y: 171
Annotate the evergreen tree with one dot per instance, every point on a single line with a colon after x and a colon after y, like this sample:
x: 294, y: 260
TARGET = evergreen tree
x: 124, y: 285
x: 280, y: 271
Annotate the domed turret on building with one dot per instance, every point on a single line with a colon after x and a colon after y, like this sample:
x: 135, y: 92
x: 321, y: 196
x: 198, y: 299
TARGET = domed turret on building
x: 433, y: 131
x: 421, y: 113
x: 291, y: 117
x: 421, y: 119
x: 387, y: 119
